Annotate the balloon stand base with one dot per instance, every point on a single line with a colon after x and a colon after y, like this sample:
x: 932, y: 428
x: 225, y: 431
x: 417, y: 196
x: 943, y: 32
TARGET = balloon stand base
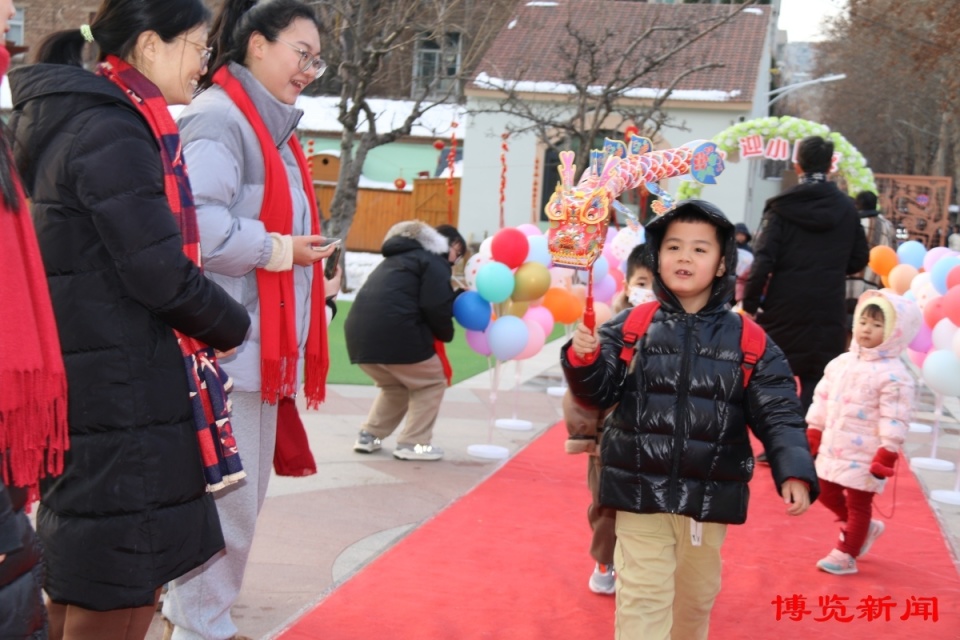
x: 946, y: 497
x: 919, y: 427
x: 513, y: 424
x: 931, y: 464
x: 488, y: 451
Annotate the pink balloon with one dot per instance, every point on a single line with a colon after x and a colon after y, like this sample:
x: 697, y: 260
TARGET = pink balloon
x: 542, y: 316
x: 477, y: 340
x: 922, y: 342
x: 534, y: 341
x: 916, y: 357
x: 529, y: 230
x: 933, y: 256
x: 604, y: 290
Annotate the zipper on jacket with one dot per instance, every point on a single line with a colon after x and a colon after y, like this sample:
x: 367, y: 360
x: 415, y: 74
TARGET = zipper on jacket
x: 682, y: 412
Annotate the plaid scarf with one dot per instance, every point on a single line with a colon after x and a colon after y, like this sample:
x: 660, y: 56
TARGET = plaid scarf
x: 809, y: 178
x: 208, y: 383
x: 279, y: 346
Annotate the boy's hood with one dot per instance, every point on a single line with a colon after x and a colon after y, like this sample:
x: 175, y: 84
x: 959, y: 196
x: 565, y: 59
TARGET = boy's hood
x: 902, y: 327
x: 723, y: 286
x: 414, y: 234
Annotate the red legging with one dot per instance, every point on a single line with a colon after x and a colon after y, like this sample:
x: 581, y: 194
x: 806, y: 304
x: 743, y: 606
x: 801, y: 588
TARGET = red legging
x: 853, y: 508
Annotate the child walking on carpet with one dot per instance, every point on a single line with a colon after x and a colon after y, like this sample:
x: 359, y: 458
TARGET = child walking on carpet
x: 676, y: 452
x: 585, y: 426
x: 858, y: 421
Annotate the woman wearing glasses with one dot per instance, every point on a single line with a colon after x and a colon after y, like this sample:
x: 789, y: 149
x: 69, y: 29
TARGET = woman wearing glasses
x: 260, y: 234
x: 100, y: 158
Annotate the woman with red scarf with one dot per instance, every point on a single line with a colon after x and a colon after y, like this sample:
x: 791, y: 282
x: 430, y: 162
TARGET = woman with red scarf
x: 260, y: 233
x: 138, y: 322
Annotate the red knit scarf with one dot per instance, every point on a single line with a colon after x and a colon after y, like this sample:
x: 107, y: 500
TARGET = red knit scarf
x: 33, y: 384
x: 278, y: 328
x: 207, y: 382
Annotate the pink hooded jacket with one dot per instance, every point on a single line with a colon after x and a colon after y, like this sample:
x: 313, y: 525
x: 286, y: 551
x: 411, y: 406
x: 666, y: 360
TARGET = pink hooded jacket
x: 865, y: 398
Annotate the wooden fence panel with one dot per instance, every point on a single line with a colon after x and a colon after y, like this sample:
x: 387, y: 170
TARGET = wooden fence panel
x: 378, y: 209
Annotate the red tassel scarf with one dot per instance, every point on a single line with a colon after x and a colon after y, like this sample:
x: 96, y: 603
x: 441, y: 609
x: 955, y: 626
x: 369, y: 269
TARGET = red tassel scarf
x: 278, y: 328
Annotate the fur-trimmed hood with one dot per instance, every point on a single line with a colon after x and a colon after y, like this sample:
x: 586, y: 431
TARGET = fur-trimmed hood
x: 414, y: 234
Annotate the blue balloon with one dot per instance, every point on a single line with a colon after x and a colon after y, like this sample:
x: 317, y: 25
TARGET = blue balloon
x: 507, y: 337
x: 495, y: 282
x: 912, y: 252
x: 938, y: 275
x: 472, y: 311
x: 941, y: 372
x: 538, y: 250
x: 600, y: 268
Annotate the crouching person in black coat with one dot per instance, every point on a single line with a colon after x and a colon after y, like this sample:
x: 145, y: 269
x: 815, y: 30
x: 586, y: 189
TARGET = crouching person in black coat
x: 676, y: 452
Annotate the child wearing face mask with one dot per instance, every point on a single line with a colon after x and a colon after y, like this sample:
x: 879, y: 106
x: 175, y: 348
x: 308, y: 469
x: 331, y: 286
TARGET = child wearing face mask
x: 585, y: 427
x: 858, y: 420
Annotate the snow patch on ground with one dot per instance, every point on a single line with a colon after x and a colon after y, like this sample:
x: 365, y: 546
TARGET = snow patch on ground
x: 358, y: 267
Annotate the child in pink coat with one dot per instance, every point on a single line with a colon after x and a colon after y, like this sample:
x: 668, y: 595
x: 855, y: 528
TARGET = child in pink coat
x: 858, y: 420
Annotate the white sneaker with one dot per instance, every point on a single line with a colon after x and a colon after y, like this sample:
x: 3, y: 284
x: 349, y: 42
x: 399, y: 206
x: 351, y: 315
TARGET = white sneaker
x: 366, y: 443
x: 603, y: 580
x: 417, y: 452
x: 876, y: 528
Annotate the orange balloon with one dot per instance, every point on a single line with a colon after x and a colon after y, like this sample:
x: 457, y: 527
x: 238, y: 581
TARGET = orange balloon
x: 901, y: 276
x: 602, y: 312
x: 579, y: 291
x: 885, y: 281
x: 564, y: 306
x: 883, y: 259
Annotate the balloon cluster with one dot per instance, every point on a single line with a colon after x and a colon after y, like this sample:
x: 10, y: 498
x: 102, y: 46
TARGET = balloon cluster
x: 932, y: 279
x: 516, y: 295
x: 853, y: 166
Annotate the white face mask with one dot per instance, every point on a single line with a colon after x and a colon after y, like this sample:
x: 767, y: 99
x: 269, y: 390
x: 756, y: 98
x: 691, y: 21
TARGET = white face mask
x: 639, y: 296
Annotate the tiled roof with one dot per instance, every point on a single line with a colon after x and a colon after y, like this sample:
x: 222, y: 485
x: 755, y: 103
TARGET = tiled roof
x: 535, y: 46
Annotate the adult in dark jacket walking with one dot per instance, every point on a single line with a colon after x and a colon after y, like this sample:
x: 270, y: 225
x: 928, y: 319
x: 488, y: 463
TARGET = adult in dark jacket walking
x: 395, y: 331
x: 810, y: 240
x: 131, y: 510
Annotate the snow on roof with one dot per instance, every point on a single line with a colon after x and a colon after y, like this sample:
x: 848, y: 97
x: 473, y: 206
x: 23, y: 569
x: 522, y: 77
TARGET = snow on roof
x: 485, y: 81
x: 320, y: 115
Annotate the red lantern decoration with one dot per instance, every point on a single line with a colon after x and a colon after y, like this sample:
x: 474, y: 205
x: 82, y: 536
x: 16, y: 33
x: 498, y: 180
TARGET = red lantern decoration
x: 439, y: 144
x: 400, y: 184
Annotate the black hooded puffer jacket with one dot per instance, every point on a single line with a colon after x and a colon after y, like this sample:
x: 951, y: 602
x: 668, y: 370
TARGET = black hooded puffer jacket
x: 677, y: 442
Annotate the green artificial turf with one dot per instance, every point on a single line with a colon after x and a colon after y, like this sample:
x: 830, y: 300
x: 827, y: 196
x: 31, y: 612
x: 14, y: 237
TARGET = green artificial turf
x: 465, y: 361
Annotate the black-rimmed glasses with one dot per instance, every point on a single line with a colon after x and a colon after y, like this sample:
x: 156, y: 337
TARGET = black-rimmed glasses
x: 308, y: 60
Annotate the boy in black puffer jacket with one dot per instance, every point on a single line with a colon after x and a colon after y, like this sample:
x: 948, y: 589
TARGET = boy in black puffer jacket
x: 676, y: 452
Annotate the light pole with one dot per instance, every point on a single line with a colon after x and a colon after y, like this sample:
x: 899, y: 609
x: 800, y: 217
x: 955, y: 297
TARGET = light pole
x: 778, y: 93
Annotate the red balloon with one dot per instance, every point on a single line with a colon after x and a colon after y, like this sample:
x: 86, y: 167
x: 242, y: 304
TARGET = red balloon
x: 510, y: 247
x: 953, y: 279
x: 950, y: 301
x: 934, y: 312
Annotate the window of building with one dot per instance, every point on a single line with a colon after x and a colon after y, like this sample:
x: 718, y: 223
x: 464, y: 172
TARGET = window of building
x: 15, y: 34
x: 436, y: 65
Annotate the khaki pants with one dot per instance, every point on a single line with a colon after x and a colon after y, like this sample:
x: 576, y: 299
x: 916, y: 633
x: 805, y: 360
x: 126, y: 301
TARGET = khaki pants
x: 415, y: 390
x: 665, y: 586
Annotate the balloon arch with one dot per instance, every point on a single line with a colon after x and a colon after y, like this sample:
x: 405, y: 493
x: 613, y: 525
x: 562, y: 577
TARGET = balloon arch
x: 770, y: 137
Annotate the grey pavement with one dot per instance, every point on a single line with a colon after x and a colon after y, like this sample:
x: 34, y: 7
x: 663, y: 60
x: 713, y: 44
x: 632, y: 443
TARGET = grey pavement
x: 314, y: 533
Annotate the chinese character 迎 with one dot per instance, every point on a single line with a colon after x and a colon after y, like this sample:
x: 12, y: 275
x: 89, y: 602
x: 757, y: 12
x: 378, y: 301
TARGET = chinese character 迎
x: 751, y: 146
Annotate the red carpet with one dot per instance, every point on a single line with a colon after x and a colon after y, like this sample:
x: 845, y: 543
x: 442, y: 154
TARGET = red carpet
x: 509, y: 560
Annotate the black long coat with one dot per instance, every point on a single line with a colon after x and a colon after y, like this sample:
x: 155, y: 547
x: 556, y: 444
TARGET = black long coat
x: 677, y: 441
x: 810, y: 240
x: 406, y: 302
x: 130, y: 511
x: 22, y: 614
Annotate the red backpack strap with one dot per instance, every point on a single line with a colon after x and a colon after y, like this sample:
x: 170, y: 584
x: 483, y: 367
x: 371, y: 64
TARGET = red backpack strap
x: 753, y: 342
x: 635, y: 326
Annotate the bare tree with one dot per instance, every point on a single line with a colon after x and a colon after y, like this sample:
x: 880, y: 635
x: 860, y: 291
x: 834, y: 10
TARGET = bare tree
x: 369, y: 44
x: 603, y: 72
x: 899, y: 104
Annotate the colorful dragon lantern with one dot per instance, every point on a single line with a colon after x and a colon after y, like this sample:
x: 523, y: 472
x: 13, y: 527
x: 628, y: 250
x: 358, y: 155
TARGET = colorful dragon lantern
x: 579, y: 213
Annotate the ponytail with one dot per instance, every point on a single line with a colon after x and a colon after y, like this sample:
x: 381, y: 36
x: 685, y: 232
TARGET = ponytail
x: 62, y: 47
x: 240, y: 19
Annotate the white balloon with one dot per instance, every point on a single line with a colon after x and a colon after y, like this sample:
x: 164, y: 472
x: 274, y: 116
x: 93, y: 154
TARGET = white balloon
x: 485, y: 247
x: 925, y: 294
x: 956, y: 344
x: 919, y: 281
x: 473, y: 265
x: 943, y: 334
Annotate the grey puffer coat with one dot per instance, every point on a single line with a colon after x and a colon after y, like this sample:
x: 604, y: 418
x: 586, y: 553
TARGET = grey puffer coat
x: 678, y: 440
